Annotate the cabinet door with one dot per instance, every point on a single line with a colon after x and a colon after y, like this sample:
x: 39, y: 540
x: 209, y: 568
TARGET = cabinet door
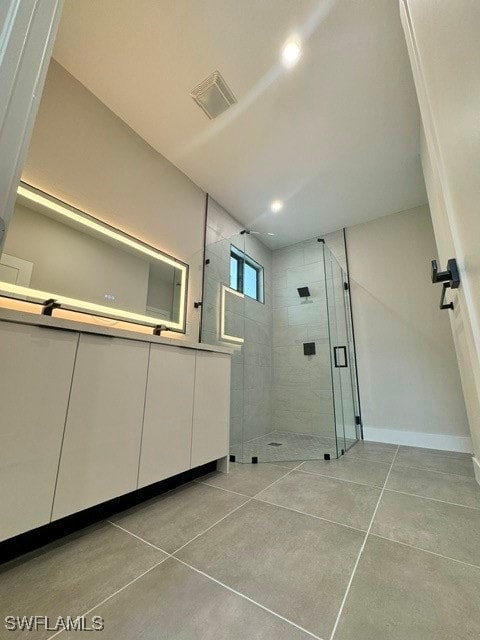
x: 101, y: 447
x: 167, y: 426
x: 36, y: 367
x: 211, y: 413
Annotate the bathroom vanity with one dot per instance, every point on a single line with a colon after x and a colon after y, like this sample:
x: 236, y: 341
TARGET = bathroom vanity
x: 90, y: 413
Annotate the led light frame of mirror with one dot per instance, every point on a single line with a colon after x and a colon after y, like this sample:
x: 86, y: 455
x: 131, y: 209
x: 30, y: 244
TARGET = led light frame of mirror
x: 38, y: 197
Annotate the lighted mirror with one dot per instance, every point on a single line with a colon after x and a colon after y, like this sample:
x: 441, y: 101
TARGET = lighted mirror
x: 53, y: 250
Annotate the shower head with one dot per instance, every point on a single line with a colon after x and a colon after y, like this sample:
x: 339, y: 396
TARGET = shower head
x: 303, y: 292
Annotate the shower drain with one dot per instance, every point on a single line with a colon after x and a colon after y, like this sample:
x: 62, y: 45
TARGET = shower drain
x: 274, y: 444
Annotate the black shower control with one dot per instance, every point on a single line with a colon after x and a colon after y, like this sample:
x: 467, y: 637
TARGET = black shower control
x: 309, y: 349
x: 303, y: 292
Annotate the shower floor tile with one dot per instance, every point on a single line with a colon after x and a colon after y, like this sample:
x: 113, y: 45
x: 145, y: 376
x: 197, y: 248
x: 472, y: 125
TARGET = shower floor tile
x: 280, y: 446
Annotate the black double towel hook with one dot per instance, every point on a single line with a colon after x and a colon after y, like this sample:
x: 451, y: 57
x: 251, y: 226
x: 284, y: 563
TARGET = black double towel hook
x: 450, y: 279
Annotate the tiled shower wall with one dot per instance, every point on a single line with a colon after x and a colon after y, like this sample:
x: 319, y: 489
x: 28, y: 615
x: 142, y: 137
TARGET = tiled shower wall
x: 302, y: 385
x: 251, y: 398
x: 274, y: 386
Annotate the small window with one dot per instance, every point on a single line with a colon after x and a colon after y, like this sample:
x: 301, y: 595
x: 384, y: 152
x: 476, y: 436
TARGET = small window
x: 246, y: 275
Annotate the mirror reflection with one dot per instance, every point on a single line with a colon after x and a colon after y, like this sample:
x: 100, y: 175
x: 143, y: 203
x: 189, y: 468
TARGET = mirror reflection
x: 55, y: 251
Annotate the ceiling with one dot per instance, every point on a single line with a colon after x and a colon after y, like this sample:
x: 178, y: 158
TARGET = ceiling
x: 336, y: 137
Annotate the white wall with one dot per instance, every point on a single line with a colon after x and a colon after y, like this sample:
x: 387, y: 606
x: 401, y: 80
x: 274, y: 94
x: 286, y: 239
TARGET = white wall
x: 409, y: 381
x: 443, y: 45
x: 85, y: 155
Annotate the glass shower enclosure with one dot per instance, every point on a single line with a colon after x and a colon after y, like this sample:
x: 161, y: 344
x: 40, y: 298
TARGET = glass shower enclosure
x: 285, y: 314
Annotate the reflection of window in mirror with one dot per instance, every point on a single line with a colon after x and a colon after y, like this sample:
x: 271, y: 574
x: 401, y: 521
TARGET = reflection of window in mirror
x: 51, y: 248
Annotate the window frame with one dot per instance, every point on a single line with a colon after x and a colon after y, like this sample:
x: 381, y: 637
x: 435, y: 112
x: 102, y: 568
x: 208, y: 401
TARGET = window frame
x: 243, y: 259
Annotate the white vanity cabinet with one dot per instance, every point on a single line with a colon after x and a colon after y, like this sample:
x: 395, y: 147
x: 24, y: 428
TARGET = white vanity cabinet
x: 36, y: 367
x: 89, y: 413
x: 211, y: 407
x: 101, y: 446
x: 167, y: 424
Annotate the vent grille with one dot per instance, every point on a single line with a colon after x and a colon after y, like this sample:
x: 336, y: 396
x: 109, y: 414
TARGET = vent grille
x: 213, y: 95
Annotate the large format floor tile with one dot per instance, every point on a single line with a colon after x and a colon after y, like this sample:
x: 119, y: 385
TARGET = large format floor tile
x: 293, y: 564
x: 431, y: 484
x: 434, y: 460
x: 399, y: 593
x: 350, y: 468
x: 288, y: 464
x: 443, y: 528
x: 70, y: 576
x: 174, y: 518
x: 344, y: 502
x: 374, y: 451
x: 248, y: 479
x: 173, y: 602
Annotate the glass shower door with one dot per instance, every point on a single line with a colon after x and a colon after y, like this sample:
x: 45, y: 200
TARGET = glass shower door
x: 223, y: 322
x: 342, y: 354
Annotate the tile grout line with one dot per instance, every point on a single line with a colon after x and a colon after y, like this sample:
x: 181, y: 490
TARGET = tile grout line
x: 407, y: 493
x: 171, y: 555
x: 99, y: 604
x: 299, y: 469
x: 235, y: 493
x: 310, y: 515
x: 278, y: 463
x: 134, y: 535
x: 322, y: 475
x: 174, y: 557
x: 433, y: 553
x: 361, y: 549
x: 443, y: 473
x: 255, y: 497
x: 245, y: 597
x: 360, y: 459
x: 418, y: 495
x: 250, y: 498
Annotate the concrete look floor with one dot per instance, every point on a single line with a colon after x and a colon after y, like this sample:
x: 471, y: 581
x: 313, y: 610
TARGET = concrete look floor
x: 382, y: 544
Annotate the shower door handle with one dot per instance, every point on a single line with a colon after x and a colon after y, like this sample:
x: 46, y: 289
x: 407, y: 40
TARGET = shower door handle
x: 340, y: 362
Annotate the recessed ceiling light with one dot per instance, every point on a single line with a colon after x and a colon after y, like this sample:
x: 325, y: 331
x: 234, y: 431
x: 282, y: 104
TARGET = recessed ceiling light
x: 276, y: 206
x: 291, y: 52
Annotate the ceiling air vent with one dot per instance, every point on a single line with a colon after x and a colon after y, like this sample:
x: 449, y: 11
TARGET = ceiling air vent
x: 213, y: 95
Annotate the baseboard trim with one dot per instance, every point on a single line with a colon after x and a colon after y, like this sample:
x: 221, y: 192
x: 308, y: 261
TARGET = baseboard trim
x: 461, y: 444
x: 476, y: 469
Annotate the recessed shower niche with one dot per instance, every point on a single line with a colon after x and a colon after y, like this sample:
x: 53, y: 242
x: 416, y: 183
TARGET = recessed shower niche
x: 287, y: 318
